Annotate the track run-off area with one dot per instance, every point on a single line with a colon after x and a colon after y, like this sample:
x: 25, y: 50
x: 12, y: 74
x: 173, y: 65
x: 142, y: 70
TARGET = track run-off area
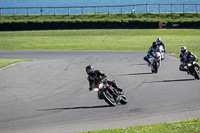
x: 50, y: 94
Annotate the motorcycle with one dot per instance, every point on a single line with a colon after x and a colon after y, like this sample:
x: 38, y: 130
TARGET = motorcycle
x: 107, y: 92
x: 162, y: 52
x: 193, y: 68
x: 155, y: 62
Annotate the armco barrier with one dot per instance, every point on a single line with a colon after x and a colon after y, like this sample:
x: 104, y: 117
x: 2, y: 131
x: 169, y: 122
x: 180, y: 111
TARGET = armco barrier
x: 17, y: 26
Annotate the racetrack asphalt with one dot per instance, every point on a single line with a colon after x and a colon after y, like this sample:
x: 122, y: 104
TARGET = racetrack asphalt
x: 50, y: 94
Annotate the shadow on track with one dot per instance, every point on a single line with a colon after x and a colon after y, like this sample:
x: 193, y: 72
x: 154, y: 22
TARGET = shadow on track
x: 141, y: 64
x: 175, y: 80
x: 136, y: 74
x: 76, y: 108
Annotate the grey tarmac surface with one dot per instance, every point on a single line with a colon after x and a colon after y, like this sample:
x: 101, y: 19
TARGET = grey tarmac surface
x: 50, y: 94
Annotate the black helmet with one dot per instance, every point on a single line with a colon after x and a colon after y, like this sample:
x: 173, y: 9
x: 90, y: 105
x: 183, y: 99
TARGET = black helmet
x: 154, y: 44
x: 183, y: 49
x: 89, y: 69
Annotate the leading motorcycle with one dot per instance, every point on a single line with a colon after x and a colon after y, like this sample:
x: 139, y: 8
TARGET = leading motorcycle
x: 109, y: 94
x: 155, y: 62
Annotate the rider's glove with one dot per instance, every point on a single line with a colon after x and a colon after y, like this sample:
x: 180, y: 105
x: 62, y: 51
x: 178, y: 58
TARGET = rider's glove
x: 91, y: 87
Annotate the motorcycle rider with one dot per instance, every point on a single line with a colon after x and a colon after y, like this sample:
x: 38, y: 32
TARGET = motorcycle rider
x: 152, y: 49
x: 162, y: 47
x: 185, y: 56
x: 95, y: 75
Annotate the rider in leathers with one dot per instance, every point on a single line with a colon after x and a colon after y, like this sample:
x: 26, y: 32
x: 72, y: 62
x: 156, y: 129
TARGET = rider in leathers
x: 152, y: 49
x: 94, y: 75
x: 184, y: 56
x: 162, y: 46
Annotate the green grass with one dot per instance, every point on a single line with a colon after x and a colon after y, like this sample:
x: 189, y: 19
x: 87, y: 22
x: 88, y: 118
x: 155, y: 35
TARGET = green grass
x: 120, y: 39
x: 186, y: 126
x: 6, y: 62
x: 154, y: 17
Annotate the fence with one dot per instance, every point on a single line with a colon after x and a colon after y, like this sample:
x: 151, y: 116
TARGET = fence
x: 137, y: 8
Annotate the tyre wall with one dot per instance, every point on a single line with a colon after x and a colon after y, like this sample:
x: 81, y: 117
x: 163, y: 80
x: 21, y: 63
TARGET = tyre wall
x: 17, y: 26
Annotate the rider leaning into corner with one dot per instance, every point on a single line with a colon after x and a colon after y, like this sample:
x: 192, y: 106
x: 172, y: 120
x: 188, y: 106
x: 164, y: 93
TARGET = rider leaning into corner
x: 185, y: 56
x: 152, y: 49
x: 94, y: 75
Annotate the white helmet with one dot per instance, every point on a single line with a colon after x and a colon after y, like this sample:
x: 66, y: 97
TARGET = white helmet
x: 183, y: 49
x: 158, y: 40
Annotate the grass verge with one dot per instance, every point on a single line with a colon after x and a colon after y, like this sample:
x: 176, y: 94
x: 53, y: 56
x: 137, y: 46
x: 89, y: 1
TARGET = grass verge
x: 186, y: 126
x: 154, y: 17
x: 6, y: 62
x: 118, y: 39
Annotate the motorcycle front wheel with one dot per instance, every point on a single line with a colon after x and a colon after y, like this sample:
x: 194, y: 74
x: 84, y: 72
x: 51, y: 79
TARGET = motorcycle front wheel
x: 155, y: 67
x: 196, y: 73
x: 123, y: 100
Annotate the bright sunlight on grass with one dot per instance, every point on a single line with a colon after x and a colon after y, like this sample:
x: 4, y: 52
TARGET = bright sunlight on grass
x: 120, y: 39
x: 186, y: 126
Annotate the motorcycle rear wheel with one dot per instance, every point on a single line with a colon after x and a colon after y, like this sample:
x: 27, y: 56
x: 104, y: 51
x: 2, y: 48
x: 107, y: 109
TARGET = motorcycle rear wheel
x: 109, y: 99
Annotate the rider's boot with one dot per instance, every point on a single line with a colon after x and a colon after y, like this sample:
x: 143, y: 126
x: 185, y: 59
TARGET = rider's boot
x: 146, y: 59
x: 184, y: 69
x: 149, y: 64
x: 188, y: 72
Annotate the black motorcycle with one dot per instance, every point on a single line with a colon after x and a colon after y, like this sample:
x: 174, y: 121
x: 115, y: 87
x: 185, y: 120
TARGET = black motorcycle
x: 193, y: 68
x: 109, y: 94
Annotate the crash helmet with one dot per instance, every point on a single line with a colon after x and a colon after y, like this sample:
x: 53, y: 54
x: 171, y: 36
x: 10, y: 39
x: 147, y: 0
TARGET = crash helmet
x: 154, y: 44
x: 158, y: 40
x: 183, y: 49
x: 89, y: 69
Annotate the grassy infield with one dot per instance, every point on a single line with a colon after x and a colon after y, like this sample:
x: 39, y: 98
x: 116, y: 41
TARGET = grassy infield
x: 126, y: 40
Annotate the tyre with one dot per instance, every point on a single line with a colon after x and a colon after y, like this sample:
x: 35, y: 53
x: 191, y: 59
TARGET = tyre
x: 109, y: 98
x: 155, y: 67
x: 196, y: 73
x: 123, y: 100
